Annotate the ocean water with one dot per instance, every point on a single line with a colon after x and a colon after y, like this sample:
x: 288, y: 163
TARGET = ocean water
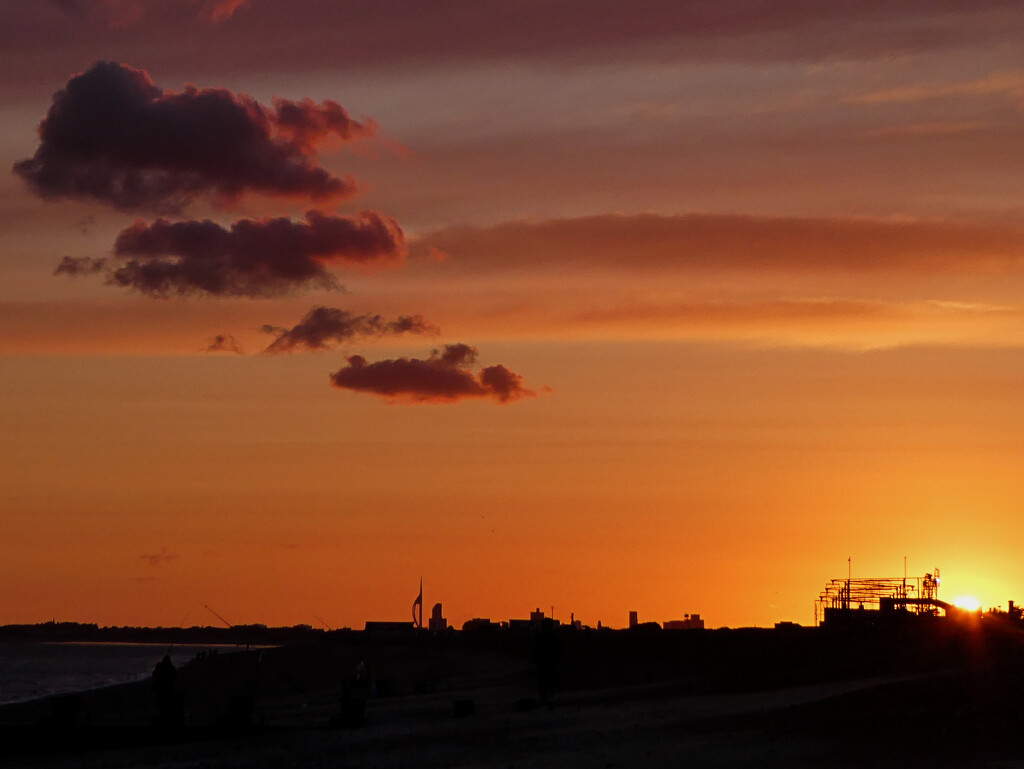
x: 32, y: 670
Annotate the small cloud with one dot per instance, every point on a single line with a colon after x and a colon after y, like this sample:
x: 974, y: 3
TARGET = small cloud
x: 437, y: 255
x: 158, y: 559
x: 444, y: 377
x: 323, y: 327
x: 84, y: 226
x: 224, y: 343
x: 80, y: 265
x: 219, y: 10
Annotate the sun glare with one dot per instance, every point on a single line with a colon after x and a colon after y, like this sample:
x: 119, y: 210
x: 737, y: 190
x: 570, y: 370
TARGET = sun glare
x: 967, y: 603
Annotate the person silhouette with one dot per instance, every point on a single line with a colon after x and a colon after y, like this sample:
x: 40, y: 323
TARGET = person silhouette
x: 167, y: 701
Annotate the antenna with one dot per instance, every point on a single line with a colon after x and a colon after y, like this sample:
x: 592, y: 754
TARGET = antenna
x: 180, y: 626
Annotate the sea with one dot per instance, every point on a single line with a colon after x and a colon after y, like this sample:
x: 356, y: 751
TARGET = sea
x: 32, y: 670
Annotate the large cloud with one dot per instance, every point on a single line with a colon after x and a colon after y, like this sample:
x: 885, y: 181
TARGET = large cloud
x: 322, y: 327
x: 114, y: 136
x: 445, y: 377
x: 255, y: 257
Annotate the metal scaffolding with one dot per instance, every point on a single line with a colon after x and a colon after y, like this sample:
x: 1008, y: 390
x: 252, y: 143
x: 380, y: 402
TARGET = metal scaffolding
x: 919, y: 595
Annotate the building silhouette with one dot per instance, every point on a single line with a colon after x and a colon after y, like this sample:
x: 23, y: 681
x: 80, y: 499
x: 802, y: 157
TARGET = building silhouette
x: 437, y: 623
x: 689, y: 622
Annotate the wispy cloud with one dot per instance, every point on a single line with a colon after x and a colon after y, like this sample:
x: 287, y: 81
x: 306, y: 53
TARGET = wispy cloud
x: 160, y: 558
x: 324, y: 327
x: 122, y: 14
x: 220, y: 10
x: 1007, y: 83
x: 934, y: 128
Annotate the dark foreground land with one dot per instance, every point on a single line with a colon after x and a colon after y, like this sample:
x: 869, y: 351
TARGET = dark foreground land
x: 932, y: 694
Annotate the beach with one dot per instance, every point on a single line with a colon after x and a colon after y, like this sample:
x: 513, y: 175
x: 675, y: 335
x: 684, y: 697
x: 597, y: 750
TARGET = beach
x: 478, y: 707
x: 607, y: 728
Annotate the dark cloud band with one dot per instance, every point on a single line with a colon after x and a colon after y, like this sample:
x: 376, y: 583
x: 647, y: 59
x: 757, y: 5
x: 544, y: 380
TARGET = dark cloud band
x: 652, y: 243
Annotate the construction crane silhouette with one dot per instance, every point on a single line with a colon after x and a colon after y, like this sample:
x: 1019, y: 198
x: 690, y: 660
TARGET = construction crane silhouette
x: 227, y: 624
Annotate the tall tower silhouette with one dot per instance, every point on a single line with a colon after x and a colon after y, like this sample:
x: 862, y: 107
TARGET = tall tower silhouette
x: 417, y: 616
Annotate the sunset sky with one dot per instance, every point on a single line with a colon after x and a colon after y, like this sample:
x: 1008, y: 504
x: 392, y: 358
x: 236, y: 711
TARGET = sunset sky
x: 668, y: 305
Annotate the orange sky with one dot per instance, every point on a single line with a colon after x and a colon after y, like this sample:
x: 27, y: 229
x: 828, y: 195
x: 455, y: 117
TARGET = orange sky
x: 753, y: 280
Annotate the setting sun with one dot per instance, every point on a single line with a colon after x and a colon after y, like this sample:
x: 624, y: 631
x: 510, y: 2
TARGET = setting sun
x: 967, y: 603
